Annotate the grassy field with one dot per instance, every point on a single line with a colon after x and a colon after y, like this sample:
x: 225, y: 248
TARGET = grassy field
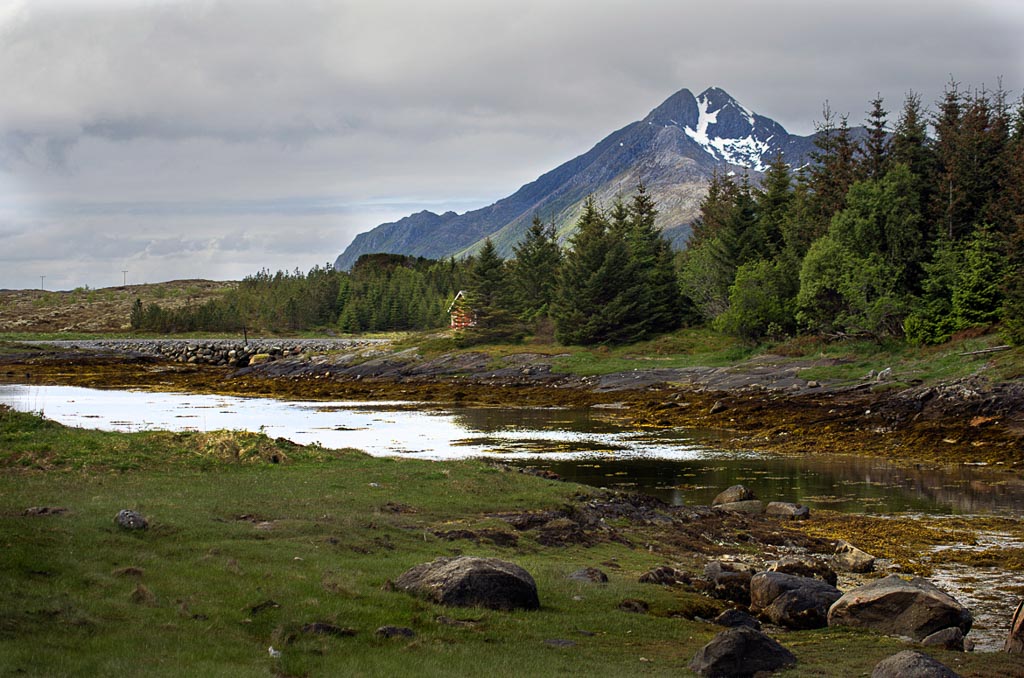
x: 252, y: 539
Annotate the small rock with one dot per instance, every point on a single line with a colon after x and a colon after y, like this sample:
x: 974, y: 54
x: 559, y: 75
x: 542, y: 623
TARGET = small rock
x: 719, y: 406
x: 733, y: 618
x: 851, y: 559
x: 804, y: 566
x: 787, y: 510
x: 44, y: 511
x: 948, y: 639
x: 911, y: 664
x: 326, y: 629
x: 634, y: 605
x: 666, y: 576
x: 395, y: 632
x: 734, y: 494
x: 740, y: 652
x: 559, y: 642
x: 128, y: 572
x: 130, y: 520
x: 589, y: 574
x: 142, y: 596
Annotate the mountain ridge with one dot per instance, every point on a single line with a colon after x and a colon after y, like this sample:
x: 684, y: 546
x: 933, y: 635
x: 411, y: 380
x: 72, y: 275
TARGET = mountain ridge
x: 673, y: 151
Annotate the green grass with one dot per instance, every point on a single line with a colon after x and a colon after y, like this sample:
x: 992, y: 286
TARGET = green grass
x: 318, y: 534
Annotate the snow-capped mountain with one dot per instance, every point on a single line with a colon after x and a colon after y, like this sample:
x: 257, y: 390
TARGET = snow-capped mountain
x: 674, y: 150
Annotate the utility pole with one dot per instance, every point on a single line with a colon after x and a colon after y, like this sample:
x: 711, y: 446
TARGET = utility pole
x: 41, y: 279
x: 125, y: 283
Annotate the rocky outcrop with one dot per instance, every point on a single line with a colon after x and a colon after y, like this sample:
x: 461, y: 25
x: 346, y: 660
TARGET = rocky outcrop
x: 911, y: 664
x: 220, y: 352
x: 468, y: 581
x: 740, y: 652
x: 915, y: 608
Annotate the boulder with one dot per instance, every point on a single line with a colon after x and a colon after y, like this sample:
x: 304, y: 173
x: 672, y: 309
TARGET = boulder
x: 911, y: 664
x: 728, y: 581
x: 395, y: 632
x: 849, y: 558
x: 1015, y: 641
x: 948, y: 639
x: 130, y: 520
x: 733, y: 494
x: 915, y: 608
x: 733, y: 618
x: 786, y: 510
x: 792, y: 601
x: 753, y: 507
x: 467, y: 581
x: 804, y: 566
x: 740, y: 652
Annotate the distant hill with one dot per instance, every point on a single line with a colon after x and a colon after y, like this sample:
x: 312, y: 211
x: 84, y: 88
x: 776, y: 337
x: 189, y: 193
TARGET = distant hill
x: 98, y: 310
x: 673, y: 151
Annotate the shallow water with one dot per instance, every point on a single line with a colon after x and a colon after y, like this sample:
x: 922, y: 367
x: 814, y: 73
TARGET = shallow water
x: 681, y: 466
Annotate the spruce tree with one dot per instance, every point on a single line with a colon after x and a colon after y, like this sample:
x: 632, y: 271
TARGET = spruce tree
x: 534, y: 272
x: 657, y: 288
x: 874, y: 152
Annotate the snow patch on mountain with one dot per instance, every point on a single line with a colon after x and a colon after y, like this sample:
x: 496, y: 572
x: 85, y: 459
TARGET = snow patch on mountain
x: 748, y: 151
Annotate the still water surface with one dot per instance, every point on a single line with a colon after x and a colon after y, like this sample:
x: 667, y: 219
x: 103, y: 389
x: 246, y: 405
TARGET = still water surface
x: 681, y: 466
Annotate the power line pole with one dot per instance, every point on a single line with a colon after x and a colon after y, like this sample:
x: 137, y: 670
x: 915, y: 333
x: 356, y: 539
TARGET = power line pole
x: 41, y: 279
x: 125, y: 283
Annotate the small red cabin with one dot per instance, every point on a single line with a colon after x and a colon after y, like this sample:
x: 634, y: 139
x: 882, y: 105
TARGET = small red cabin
x: 461, y: 314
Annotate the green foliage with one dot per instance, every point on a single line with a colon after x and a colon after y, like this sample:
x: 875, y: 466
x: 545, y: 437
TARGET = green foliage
x: 533, y: 275
x: 759, y: 302
x: 617, y: 284
x: 490, y: 301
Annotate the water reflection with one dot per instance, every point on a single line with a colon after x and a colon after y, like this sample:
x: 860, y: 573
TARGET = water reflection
x: 678, y: 465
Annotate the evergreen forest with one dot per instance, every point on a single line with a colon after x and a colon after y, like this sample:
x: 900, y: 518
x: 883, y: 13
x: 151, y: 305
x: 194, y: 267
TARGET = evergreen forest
x: 912, y: 229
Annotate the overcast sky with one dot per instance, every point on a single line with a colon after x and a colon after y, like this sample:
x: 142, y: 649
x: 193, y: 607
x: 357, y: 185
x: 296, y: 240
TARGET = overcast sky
x: 183, y: 139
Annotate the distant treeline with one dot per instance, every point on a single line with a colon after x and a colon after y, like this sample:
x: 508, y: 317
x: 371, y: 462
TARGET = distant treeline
x: 901, y: 233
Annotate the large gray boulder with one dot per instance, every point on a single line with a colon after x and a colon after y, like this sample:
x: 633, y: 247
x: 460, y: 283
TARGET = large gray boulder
x: 786, y: 510
x: 915, y: 608
x: 912, y: 664
x: 740, y: 652
x: 468, y: 581
x: 804, y: 566
x: 792, y: 601
x: 1015, y: 640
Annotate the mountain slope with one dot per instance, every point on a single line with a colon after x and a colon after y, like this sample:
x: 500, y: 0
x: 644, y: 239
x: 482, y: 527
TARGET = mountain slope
x: 673, y: 151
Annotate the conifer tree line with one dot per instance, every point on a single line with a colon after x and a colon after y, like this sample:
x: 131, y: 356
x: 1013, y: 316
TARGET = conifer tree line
x: 899, y: 233
x: 913, y: 228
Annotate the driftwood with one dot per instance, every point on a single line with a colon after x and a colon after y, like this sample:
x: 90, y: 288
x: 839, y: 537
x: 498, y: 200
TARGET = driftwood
x: 1015, y: 641
x: 994, y: 349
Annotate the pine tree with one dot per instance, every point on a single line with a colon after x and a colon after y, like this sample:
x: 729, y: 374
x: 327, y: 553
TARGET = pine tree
x: 874, y: 153
x: 591, y: 304
x: 657, y: 288
x: 534, y: 273
x: 490, y: 299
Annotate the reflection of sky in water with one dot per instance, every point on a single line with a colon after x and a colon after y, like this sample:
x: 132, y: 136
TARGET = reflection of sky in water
x: 677, y: 465
x: 377, y: 428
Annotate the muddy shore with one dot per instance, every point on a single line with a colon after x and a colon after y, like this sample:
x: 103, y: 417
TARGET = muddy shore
x: 764, y: 403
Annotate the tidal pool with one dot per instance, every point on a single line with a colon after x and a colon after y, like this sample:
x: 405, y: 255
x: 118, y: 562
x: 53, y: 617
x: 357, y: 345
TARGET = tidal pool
x: 680, y: 466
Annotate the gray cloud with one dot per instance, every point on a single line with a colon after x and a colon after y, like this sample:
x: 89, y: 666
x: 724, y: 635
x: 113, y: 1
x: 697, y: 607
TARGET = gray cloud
x: 223, y: 127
